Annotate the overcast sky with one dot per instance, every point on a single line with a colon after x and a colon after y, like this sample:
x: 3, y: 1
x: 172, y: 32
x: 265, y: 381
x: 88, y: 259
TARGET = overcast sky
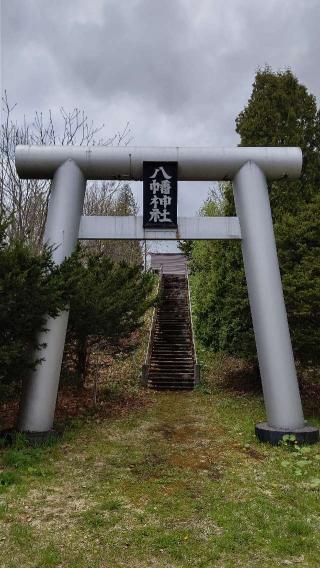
x: 179, y: 71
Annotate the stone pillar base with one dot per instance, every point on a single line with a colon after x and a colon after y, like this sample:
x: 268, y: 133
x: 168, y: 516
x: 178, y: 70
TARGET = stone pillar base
x: 8, y: 437
x: 306, y: 435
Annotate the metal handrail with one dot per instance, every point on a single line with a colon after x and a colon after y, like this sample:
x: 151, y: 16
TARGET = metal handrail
x: 191, y: 321
x: 153, y: 321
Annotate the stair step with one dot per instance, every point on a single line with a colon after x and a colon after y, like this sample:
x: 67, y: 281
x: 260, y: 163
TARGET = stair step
x: 174, y: 324
x: 169, y: 339
x: 172, y: 361
x: 173, y: 328
x: 182, y: 348
x: 166, y: 380
x: 179, y: 331
x: 179, y: 364
x: 173, y: 377
x: 171, y: 383
x: 171, y: 370
x: 171, y: 387
x: 172, y: 366
x: 172, y: 348
x: 169, y: 344
x: 171, y: 357
x: 165, y: 332
x: 168, y: 349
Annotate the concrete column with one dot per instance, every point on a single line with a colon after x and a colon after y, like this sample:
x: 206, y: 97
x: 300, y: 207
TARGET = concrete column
x: 62, y: 227
x: 278, y: 374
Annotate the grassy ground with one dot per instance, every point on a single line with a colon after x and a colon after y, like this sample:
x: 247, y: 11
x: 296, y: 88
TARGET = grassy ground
x: 181, y: 482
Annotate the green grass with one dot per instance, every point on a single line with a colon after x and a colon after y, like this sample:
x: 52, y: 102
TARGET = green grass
x: 181, y: 483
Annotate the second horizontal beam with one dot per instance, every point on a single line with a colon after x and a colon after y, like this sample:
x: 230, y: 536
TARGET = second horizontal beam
x: 189, y: 228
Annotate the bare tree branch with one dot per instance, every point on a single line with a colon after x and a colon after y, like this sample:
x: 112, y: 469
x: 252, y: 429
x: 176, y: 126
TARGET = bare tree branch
x: 24, y: 202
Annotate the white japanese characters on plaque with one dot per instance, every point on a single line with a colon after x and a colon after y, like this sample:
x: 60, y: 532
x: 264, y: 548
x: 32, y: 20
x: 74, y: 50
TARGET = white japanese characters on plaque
x: 160, y: 194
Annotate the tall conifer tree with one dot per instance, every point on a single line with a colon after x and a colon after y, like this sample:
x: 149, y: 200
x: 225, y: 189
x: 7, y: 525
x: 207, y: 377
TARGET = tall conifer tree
x: 280, y: 112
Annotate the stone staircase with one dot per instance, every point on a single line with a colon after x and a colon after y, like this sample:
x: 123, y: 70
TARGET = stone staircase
x: 171, y: 362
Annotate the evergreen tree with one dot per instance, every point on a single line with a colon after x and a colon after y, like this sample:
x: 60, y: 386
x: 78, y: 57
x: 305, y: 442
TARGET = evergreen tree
x: 280, y: 112
x: 298, y: 239
x: 30, y: 287
x: 108, y: 299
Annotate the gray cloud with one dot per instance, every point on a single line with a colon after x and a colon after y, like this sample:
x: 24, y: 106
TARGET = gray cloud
x: 179, y: 70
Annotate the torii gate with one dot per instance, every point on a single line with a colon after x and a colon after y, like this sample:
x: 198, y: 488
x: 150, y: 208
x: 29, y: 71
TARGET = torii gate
x: 70, y: 167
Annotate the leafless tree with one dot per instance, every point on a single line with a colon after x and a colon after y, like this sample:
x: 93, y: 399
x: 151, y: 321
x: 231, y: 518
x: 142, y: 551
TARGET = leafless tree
x: 23, y: 203
x: 112, y: 198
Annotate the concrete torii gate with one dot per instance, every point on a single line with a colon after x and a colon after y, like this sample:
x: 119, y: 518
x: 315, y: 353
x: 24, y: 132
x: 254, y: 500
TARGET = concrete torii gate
x: 70, y: 167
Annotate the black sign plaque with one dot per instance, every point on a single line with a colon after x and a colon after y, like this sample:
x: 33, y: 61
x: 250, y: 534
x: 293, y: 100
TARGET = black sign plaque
x: 160, y: 186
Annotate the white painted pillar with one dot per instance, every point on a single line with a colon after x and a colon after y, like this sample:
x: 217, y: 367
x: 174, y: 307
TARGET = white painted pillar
x: 277, y: 367
x: 62, y: 228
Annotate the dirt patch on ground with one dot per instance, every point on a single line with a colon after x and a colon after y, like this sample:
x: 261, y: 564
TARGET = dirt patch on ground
x: 195, y: 462
x: 188, y: 445
x: 152, y: 466
x: 176, y: 432
x: 254, y: 454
